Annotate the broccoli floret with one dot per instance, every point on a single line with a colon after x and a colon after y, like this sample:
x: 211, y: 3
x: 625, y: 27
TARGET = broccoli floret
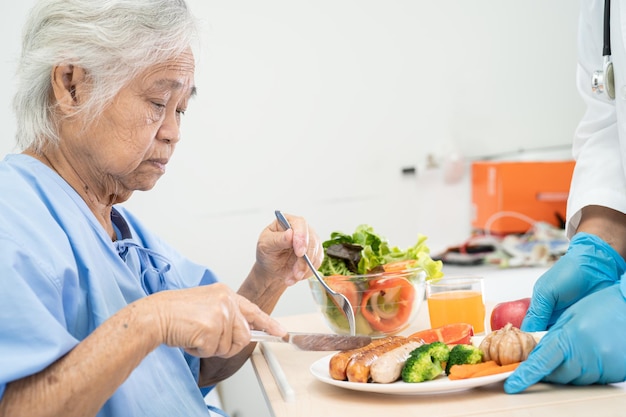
x: 425, y: 362
x: 421, y: 368
x: 464, y: 354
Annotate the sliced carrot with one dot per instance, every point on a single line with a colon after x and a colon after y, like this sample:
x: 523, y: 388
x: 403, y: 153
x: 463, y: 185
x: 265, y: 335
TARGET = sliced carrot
x: 468, y: 370
x: 498, y: 370
x: 480, y: 369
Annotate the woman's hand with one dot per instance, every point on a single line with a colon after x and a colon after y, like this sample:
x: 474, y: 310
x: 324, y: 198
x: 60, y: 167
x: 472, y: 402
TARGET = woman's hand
x: 279, y: 252
x: 210, y: 320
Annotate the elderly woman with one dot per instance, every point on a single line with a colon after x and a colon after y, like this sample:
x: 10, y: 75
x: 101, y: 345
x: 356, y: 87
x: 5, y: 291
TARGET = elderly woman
x: 98, y: 316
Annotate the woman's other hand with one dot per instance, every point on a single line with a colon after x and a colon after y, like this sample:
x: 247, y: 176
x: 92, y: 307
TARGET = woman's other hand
x: 210, y: 320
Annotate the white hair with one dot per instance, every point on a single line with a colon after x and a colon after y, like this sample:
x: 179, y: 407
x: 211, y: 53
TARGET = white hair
x: 112, y: 40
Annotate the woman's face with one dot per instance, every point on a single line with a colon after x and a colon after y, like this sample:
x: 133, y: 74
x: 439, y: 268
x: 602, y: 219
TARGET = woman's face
x: 129, y: 144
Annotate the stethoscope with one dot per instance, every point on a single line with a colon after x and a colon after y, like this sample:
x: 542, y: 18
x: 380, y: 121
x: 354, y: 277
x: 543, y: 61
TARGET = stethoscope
x: 604, y: 80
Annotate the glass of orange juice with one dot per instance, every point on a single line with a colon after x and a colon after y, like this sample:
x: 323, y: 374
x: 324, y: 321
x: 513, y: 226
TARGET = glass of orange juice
x: 456, y: 299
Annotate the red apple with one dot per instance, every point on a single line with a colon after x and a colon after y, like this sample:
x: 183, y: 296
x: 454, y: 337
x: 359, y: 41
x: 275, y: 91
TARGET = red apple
x: 509, y: 312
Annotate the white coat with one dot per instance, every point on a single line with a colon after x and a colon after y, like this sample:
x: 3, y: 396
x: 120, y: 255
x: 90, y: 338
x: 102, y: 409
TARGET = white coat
x: 600, y: 139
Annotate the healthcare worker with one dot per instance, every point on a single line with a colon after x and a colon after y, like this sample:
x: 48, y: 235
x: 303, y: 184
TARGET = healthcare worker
x: 98, y: 315
x: 582, y: 298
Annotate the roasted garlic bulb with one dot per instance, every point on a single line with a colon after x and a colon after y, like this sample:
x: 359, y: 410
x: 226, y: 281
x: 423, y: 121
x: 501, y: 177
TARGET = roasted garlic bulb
x: 507, y: 345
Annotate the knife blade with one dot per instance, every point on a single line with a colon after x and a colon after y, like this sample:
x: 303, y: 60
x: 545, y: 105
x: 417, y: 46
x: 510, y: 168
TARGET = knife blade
x: 314, y: 341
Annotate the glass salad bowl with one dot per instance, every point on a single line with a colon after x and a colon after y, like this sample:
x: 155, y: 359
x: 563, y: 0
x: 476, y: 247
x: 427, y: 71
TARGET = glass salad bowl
x: 384, y: 302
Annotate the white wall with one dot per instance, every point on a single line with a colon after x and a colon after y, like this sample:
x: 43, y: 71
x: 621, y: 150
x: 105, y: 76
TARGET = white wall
x: 315, y: 106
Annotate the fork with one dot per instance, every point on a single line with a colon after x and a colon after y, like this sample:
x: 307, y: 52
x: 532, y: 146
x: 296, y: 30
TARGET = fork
x: 339, y: 298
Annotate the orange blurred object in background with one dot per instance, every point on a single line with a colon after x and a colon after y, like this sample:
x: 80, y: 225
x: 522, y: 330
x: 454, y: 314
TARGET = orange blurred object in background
x: 537, y: 190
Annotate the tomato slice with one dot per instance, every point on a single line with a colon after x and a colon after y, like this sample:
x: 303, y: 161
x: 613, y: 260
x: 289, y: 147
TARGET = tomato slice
x: 345, y: 286
x: 387, y: 303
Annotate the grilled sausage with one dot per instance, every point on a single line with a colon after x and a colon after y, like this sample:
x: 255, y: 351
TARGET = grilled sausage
x: 387, y: 368
x: 339, y: 361
x: 358, y: 369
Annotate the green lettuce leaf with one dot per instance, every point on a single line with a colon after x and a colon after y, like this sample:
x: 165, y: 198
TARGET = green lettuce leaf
x: 376, y: 252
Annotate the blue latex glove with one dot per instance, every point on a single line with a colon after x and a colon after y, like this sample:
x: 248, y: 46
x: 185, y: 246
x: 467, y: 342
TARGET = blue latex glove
x: 585, y: 346
x: 589, y: 265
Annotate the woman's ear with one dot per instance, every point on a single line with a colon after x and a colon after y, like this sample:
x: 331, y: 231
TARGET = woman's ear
x: 66, y: 81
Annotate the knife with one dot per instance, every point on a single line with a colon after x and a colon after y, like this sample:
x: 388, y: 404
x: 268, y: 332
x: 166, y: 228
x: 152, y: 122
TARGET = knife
x: 314, y: 341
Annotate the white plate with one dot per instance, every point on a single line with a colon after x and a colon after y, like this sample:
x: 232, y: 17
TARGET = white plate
x: 439, y: 385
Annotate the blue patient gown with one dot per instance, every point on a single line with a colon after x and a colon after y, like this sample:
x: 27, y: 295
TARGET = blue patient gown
x: 61, y: 276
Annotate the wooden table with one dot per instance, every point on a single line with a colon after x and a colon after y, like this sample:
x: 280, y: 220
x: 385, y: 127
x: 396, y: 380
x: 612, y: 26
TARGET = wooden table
x: 317, y: 399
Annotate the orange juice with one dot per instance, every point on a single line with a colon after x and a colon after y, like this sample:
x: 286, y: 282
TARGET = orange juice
x: 457, y: 307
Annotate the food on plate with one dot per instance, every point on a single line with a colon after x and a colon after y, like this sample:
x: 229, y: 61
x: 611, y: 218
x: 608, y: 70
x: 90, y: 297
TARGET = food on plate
x: 463, y: 354
x: 383, y: 359
x: 450, y: 334
x: 428, y: 354
x: 380, y: 281
x: 477, y: 370
x: 339, y: 361
x: 358, y: 369
x: 507, y: 345
x: 509, y: 312
x: 426, y: 362
x: 388, y: 367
